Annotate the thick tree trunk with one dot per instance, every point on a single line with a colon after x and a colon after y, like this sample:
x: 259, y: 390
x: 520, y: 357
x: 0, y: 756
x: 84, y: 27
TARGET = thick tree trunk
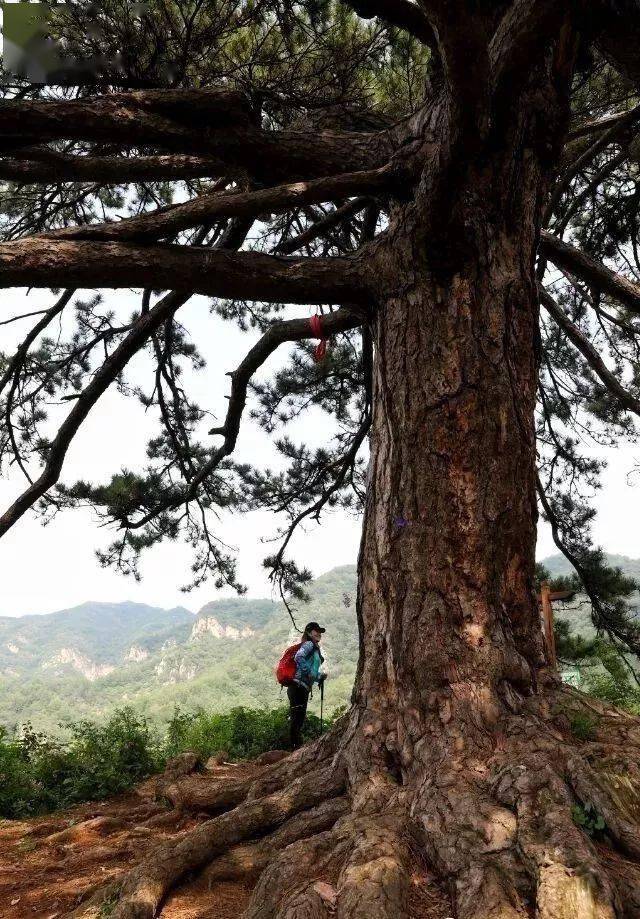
x: 447, y: 607
x: 448, y: 556
x: 447, y: 599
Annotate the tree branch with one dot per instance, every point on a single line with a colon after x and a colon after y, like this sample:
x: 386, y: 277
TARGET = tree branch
x: 60, y: 167
x: 165, y: 116
x: 608, y: 136
x: 213, y: 207
x: 144, y: 327
x: 292, y: 330
x: 399, y: 13
x: 589, y: 353
x: 590, y: 188
x: 587, y: 269
x: 216, y: 123
x: 595, y: 126
x: 320, y: 227
x: 38, y: 262
x: 315, y: 509
x: 16, y: 361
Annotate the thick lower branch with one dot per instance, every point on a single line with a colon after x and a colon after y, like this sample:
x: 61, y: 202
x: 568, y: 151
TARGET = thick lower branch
x: 56, y: 167
x: 217, y: 123
x: 163, y: 115
x: 587, y: 269
x: 213, y: 207
x: 36, y: 262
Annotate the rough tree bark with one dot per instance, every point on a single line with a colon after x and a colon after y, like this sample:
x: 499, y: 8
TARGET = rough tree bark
x: 457, y: 737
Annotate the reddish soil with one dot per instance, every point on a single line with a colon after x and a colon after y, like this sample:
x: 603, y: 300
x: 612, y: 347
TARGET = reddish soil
x: 49, y: 864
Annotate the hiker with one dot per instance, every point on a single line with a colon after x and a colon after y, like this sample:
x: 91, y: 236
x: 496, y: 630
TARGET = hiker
x: 308, y: 661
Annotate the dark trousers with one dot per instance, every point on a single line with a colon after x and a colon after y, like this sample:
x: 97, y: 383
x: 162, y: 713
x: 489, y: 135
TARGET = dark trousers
x: 298, y: 699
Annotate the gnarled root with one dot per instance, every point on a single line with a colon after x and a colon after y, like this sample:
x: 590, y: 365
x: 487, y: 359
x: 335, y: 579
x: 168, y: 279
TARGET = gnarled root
x: 146, y: 886
x: 616, y: 798
x: 287, y: 886
x: 304, y: 904
x: 217, y: 793
x: 250, y: 859
x: 203, y: 793
x: 374, y: 882
x: 570, y: 881
x: 470, y: 839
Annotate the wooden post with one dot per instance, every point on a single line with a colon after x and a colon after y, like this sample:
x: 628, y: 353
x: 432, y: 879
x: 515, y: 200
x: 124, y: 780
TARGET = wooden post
x: 547, y: 616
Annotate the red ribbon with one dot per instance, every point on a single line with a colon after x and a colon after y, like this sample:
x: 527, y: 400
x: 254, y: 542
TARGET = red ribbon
x: 320, y: 350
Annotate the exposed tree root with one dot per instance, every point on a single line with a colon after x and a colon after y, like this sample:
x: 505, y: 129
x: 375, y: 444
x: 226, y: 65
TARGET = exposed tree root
x: 569, y: 879
x: 251, y: 859
x: 615, y: 798
x: 286, y: 887
x: 625, y: 876
x: 484, y: 892
x: 211, y: 794
x: 374, y: 882
x: 146, y: 886
x: 485, y: 791
x: 202, y: 793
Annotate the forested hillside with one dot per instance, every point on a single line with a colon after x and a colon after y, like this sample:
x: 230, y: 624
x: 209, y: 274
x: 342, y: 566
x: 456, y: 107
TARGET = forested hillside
x: 90, y: 660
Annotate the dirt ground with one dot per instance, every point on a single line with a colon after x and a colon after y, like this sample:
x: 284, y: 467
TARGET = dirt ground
x: 48, y: 865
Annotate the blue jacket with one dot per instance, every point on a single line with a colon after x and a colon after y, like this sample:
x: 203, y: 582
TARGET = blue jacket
x: 308, y: 660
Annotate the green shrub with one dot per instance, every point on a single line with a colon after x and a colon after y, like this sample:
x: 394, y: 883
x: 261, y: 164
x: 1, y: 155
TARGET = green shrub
x: 243, y: 733
x: 612, y: 683
x: 588, y: 819
x: 583, y: 726
x: 39, y: 774
x: 15, y: 786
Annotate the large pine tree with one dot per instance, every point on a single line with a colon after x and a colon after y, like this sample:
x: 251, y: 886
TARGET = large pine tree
x: 455, y: 184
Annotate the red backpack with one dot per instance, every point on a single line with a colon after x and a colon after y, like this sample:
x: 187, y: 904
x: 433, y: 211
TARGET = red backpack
x: 286, y: 669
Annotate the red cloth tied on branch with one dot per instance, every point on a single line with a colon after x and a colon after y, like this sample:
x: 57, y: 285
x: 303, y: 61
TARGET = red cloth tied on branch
x: 320, y: 350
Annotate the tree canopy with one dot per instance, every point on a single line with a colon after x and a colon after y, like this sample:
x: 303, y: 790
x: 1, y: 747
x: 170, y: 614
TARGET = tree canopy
x: 254, y: 153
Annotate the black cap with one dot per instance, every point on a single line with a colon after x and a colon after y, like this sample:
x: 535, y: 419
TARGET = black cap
x: 311, y: 626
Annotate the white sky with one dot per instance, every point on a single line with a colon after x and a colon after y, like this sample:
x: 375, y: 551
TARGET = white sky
x: 43, y: 569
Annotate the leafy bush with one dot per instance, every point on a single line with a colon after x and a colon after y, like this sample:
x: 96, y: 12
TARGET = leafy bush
x: 588, y: 819
x: 583, y: 726
x: 39, y: 774
x: 243, y: 733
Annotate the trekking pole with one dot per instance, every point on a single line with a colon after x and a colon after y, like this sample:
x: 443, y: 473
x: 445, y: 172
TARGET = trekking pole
x: 321, y: 705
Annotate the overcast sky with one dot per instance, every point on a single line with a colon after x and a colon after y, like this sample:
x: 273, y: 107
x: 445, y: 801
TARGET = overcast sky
x: 50, y: 568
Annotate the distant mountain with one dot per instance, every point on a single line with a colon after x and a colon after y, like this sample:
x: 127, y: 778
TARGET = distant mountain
x: 557, y: 565
x: 87, y: 661
x: 101, y: 633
